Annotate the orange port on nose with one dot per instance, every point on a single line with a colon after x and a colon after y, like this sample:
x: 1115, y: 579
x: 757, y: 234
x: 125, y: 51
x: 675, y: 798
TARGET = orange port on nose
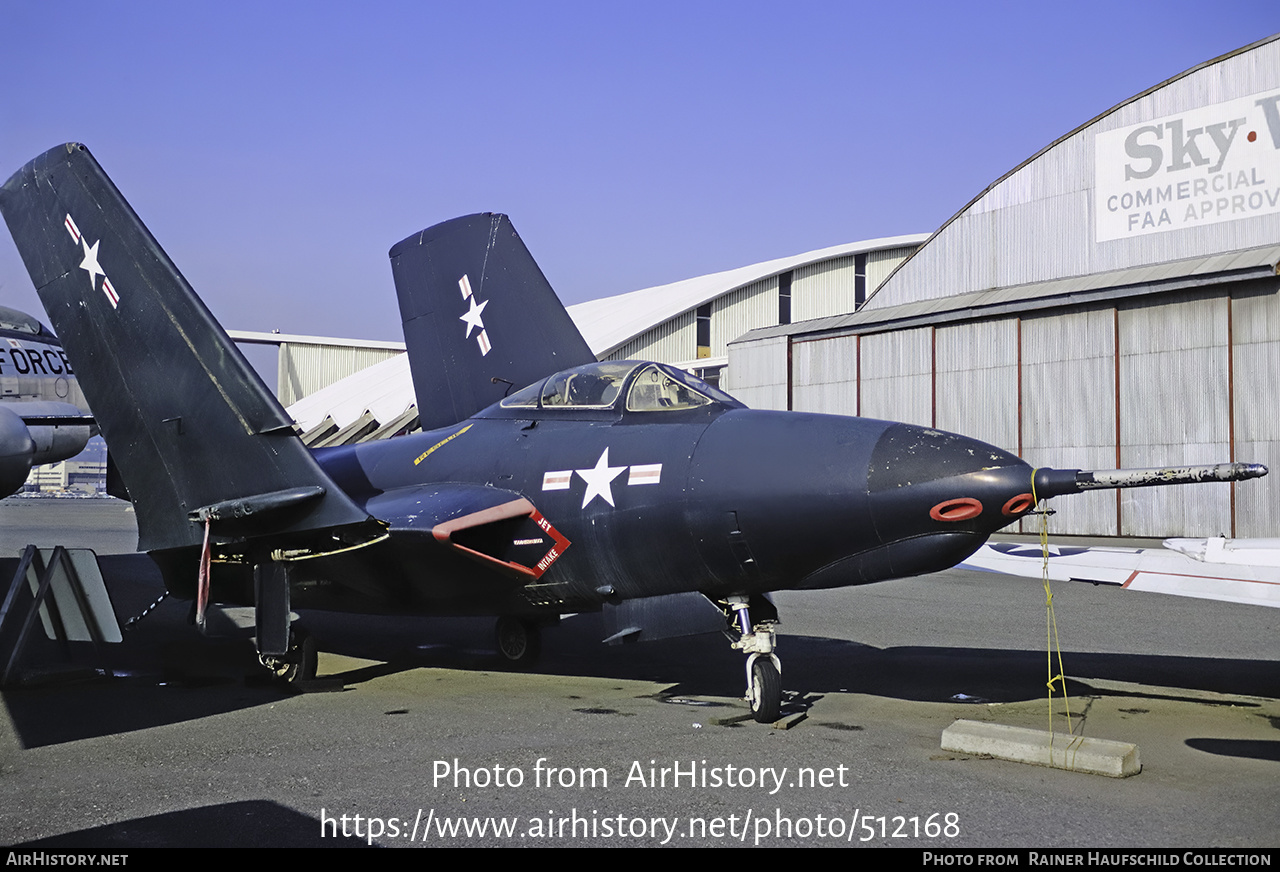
x: 959, y: 509
x: 1019, y: 505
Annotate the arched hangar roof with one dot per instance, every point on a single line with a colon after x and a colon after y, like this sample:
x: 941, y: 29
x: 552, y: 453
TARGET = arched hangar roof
x: 1184, y: 171
x: 384, y: 391
x: 610, y: 322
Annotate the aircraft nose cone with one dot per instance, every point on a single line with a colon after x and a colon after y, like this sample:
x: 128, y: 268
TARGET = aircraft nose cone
x: 933, y: 498
x: 923, y: 481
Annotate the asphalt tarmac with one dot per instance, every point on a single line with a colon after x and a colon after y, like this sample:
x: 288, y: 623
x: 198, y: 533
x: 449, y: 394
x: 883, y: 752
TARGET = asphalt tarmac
x: 414, y: 737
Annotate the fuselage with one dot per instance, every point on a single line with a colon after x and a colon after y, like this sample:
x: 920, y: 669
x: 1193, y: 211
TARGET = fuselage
x: 707, y: 496
x: 39, y: 395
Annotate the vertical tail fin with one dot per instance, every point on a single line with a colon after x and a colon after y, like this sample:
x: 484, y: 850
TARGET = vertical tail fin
x: 480, y: 319
x: 192, y: 429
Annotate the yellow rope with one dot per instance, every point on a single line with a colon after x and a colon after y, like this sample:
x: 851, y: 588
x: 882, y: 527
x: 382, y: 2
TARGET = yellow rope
x: 1051, y: 622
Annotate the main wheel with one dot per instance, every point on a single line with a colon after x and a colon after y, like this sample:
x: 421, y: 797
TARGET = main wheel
x: 519, y: 642
x: 766, y: 691
x: 300, y: 663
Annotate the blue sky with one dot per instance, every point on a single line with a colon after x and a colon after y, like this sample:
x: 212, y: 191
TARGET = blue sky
x: 277, y: 150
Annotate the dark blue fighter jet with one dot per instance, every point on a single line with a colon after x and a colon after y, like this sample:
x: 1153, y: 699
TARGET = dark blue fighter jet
x: 546, y: 482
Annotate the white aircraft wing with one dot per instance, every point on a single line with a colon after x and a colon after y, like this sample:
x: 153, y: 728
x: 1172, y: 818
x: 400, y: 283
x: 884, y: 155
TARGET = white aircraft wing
x: 1233, y: 570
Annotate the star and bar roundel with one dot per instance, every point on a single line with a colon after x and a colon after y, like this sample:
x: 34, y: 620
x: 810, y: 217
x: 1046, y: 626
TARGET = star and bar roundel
x: 601, y: 478
x: 90, y: 262
x: 473, y: 316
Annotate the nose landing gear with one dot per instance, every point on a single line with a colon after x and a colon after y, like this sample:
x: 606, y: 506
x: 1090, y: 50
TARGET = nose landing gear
x: 764, y: 669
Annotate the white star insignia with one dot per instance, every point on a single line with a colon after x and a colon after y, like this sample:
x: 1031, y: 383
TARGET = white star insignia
x: 472, y: 317
x: 90, y: 263
x: 1033, y: 551
x: 599, y: 479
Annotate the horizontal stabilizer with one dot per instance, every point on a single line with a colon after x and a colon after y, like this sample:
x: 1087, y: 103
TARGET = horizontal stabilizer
x: 480, y: 319
x: 187, y: 421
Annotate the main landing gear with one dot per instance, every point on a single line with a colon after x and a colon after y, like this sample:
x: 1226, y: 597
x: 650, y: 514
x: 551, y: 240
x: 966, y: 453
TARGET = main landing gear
x: 287, y: 650
x: 764, y: 669
x: 519, y: 642
x: 296, y: 664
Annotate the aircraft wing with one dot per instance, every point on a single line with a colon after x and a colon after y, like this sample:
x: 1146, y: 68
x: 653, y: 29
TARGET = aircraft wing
x: 44, y: 420
x: 1240, y: 571
x: 195, y: 434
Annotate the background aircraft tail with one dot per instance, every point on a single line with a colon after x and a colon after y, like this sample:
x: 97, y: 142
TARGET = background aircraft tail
x: 193, y: 431
x: 480, y: 319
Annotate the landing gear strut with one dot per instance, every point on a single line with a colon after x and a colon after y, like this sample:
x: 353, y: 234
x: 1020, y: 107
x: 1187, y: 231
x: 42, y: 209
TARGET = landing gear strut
x: 764, y: 669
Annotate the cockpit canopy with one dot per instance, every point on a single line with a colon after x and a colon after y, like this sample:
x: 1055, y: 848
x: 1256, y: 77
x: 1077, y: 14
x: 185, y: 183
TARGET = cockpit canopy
x: 20, y: 322
x: 646, y: 387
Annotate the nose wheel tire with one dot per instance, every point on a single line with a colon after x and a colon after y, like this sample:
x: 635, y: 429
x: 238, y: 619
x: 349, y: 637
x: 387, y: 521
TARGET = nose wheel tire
x: 766, y: 691
x: 764, y: 679
x: 519, y: 642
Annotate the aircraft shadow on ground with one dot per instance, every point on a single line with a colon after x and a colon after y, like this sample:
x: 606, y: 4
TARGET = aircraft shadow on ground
x: 1253, y: 749
x: 165, y: 670
x: 937, y: 674
x: 181, y: 676
x: 250, y: 824
x: 705, y: 665
x: 68, y: 712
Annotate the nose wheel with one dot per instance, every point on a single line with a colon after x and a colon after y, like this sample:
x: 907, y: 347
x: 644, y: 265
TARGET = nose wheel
x: 764, y: 691
x: 764, y: 669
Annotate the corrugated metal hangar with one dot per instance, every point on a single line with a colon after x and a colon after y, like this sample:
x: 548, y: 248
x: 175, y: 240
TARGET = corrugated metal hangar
x: 1111, y: 302
x: 305, y: 364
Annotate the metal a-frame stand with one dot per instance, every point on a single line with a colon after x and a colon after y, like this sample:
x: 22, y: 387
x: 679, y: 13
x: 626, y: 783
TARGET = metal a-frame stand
x: 65, y: 591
